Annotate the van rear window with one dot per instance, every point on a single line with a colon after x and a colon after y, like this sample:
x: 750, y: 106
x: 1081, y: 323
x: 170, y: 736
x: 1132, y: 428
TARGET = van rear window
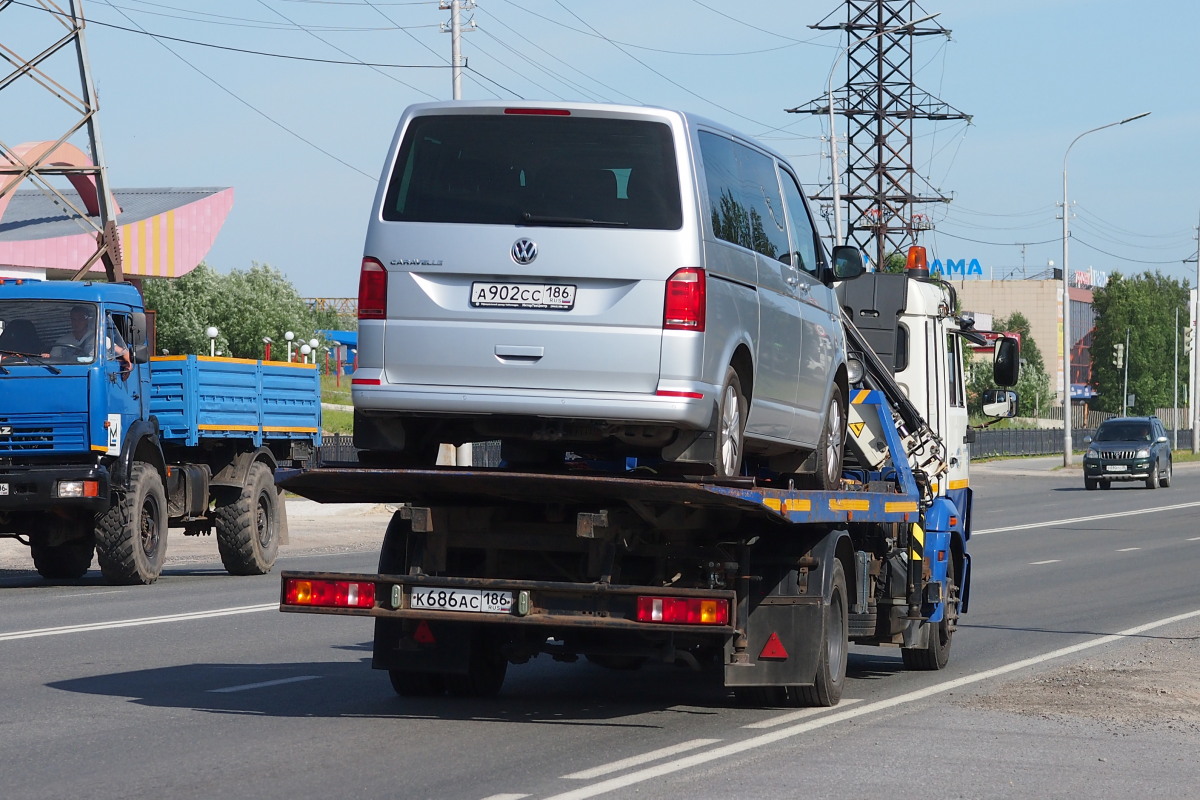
x: 536, y: 170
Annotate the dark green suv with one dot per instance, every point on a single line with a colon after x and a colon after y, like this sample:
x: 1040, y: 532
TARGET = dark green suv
x: 1128, y: 449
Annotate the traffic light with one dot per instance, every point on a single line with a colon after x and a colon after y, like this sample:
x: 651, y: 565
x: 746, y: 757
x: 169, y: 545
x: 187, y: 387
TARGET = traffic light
x: 1189, y: 338
x: 1118, y: 355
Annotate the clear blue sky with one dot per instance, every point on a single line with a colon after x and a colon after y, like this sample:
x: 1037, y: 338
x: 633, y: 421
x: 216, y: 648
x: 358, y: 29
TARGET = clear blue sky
x: 302, y: 142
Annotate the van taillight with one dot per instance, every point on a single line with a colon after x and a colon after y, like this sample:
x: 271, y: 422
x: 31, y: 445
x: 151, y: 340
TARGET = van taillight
x: 372, y: 290
x: 684, y: 310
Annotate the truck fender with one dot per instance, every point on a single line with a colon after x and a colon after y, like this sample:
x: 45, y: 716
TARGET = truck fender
x: 141, y: 444
x: 232, y: 477
x: 835, y: 544
x: 944, y: 533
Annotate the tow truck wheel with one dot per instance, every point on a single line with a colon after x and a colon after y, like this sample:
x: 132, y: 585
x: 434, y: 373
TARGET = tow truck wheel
x: 416, y: 684
x: 485, y: 671
x: 248, y: 527
x: 936, y: 654
x: 831, y: 662
x: 63, y: 561
x: 731, y: 426
x: 832, y: 446
x: 131, y: 537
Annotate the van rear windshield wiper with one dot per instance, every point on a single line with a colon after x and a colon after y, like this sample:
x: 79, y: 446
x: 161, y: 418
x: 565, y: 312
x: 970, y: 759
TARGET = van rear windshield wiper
x: 32, y: 359
x: 527, y: 217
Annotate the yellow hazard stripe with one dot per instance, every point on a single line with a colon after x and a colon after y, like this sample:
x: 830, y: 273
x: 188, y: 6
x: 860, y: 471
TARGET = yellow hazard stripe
x: 787, y: 506
x: 100, y: 447
x: 228, y: 427
x: 849, y: 505
x: 918, y: 542
x: 961, y: 484
x: 285, y: 429
x: 900, y: 507
x: 860, y: 396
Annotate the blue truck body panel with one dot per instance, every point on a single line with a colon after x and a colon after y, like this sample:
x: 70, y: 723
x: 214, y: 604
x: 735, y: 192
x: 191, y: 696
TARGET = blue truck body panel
x: 197, y: 397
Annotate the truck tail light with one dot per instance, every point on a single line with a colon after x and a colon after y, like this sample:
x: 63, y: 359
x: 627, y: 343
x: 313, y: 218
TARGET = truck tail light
x: 372, y: 290
x: 683, y: 610
x: 684, y: 308
x: 328, y: 594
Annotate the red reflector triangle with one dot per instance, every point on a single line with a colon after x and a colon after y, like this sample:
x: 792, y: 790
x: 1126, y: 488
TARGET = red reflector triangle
x: 422, y: 635
x: 774, y: 648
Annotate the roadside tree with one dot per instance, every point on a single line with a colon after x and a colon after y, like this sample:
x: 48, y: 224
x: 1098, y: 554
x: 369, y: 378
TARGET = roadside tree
x: 1144, y: 305
x: 244, y: 306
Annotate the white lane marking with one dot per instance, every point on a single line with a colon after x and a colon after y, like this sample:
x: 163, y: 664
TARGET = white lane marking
x: 1054, y: 522
x: 795, y: 715
x: 1194, y: 539
x: 633, y: 761
x: 765, y: 739
x: 134, y: 623
x: 1047, y: 561
x: 261, y: 684
x: 505, y: 796
x: 1128, y: 549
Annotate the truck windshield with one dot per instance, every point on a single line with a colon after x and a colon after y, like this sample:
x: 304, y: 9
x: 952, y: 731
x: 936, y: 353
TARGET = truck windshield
x: 50, y: 331
x: 536, y: 170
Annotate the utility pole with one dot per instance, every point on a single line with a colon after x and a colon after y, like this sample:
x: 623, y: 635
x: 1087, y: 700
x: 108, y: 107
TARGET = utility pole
x: 456, y: 30
x: 1175, y: 383
x: 1193, y: 379
x: 880, y: 102
x: 55, y: 155
x: 1125, y: 383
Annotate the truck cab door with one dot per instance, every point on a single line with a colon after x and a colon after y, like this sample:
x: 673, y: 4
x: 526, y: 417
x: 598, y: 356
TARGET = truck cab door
x: 124, y: 387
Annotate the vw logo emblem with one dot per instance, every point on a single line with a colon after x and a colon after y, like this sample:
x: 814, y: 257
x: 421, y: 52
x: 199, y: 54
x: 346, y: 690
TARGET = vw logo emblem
x: 524, y: 251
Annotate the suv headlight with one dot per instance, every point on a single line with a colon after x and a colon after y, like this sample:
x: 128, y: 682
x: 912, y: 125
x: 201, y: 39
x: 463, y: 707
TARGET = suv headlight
x: 1143, y: 453
x: 1092, y: 452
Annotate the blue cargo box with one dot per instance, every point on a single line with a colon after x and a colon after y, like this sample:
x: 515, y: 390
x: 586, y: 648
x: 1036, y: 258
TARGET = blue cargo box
x: 197, y: 398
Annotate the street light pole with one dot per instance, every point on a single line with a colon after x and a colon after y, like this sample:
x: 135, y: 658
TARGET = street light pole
x: 1068, y: 447
x: 839, y: 238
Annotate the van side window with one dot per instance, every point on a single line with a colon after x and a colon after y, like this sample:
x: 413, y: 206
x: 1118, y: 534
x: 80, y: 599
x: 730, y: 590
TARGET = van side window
x: 743, y: 196
x: 804, y: 236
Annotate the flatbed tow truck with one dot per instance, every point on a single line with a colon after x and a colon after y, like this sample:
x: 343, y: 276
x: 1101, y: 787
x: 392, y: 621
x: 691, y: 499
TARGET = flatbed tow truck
x: 754, y: 576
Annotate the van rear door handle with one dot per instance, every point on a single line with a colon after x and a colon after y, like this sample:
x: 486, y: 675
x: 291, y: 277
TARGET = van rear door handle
x: 519, y: 354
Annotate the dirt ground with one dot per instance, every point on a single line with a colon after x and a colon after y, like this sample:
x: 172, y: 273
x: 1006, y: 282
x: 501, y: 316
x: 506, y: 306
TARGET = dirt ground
x: 1143, y: 683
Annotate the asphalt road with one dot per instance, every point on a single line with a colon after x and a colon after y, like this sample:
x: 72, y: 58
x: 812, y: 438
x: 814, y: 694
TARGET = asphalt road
x: 197, y: 687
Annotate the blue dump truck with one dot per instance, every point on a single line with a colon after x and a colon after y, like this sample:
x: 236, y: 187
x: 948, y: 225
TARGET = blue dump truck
x: 103, y: 447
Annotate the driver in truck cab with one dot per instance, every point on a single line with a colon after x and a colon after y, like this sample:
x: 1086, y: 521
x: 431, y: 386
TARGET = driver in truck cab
x: 80, y: 341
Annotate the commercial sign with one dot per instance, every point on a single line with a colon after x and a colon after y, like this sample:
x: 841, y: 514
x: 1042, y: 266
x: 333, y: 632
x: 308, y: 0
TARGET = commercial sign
x: 962, y: 267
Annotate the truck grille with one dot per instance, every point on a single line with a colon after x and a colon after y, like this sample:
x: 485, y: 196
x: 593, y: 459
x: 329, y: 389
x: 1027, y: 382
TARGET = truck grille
x: 1116, y: 455
x: 22, y: 434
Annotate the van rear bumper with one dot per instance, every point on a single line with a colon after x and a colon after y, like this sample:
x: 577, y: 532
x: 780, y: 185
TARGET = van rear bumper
x: 616, y: 407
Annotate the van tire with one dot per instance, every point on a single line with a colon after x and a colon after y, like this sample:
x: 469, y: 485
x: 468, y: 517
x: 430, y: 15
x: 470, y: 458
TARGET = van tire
x: 831, y: 449
x: 731, y: 426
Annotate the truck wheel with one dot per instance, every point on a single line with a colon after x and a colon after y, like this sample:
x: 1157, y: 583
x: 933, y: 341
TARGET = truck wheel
x: 63, y: 561
x: 416, y: 684
x: 832, y: 446
x: 131, y: 537
x: 731, y: 426
x: 248, y: 528
x: 485, y: 670
x: 936, y: 654
x: 831, y: 663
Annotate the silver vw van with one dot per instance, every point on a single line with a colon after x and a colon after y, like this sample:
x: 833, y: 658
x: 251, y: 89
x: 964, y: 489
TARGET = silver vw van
x: 605, y: 280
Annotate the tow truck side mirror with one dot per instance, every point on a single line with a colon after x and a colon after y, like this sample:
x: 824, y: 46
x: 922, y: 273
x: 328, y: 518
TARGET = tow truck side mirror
x: 1000, y: 403
x: 847, y: 262
x: 1006, y: 362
